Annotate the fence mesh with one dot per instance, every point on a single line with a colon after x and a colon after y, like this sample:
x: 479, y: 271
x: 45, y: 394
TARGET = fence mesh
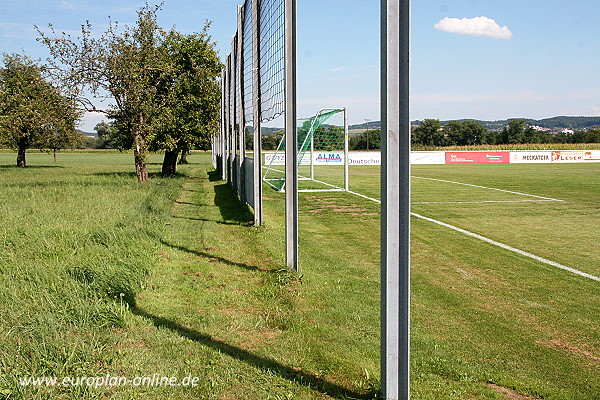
x: 272, y: 59
x: 248, y: 63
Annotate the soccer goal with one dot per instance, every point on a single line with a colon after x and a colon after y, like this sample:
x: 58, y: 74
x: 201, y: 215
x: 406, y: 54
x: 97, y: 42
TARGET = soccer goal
x: 322, y: 154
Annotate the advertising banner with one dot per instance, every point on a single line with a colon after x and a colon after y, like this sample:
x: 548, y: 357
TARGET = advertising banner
x: 477, y: 157
x: 530, y: 156
x: 570, y: 156
x: 591, y: 156
x: 364, y: 158
x: 328, y: 158
x: 279, y: 159
x: 427, y: 157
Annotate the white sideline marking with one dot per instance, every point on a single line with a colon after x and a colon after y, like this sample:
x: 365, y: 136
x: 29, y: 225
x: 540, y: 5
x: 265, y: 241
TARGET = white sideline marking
x: 493, y: 242
x: 366, y: 197
x: 478, y: 202
x: 489, y: 188
x: 509, y: 248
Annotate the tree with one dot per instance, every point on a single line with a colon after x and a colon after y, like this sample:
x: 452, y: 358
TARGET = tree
x: 108, y: 137
x: 131, y: 67
x: 592, y: 136
x: 190, y: 115
x: 514, y: 133
x: 428, y: 133
x: 368, y: 140
x: 33, y: 112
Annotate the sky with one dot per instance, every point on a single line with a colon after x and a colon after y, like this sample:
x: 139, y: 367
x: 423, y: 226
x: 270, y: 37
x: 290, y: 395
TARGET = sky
x: 481, y: 59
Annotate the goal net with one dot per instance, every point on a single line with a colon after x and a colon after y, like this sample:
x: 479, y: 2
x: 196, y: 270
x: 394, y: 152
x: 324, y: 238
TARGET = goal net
x: 322, y: 154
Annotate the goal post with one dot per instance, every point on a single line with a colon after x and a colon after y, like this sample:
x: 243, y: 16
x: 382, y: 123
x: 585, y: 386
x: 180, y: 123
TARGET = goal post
x: 322, y: 154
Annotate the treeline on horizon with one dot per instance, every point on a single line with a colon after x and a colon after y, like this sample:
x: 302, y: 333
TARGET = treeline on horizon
x: 431, y: 132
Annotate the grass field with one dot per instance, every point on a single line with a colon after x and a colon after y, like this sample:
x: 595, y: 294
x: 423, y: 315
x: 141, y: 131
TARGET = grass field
x: 103, y: 276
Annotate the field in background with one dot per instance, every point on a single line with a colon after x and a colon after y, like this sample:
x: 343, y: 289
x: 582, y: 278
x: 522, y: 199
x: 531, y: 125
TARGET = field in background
x: 209, y: 298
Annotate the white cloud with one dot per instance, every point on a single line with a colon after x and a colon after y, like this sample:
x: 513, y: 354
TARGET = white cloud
x: 478, y: 26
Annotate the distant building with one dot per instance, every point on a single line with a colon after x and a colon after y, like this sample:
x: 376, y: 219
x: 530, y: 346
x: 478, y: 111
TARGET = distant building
x: 540, y: 128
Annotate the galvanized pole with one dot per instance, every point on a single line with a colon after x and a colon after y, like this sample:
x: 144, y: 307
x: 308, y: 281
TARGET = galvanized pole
x: 395, y: 192
x: 234, y: 111
x: 346, y: 160
x: 224, y: 130
x: 223, y: 122
x: 240, y: 106
x: 228, y: 141
x: 258, y: 219
x: 291, y: 139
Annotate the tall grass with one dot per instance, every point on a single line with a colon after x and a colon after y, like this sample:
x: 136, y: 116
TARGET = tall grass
x: 76, y: 242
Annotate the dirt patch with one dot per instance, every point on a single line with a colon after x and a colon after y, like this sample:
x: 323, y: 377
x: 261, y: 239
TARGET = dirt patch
x: 571, y: 349
x: 509, y: 393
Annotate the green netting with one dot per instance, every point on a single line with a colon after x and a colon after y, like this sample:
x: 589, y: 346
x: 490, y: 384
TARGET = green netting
x: 312, y: 130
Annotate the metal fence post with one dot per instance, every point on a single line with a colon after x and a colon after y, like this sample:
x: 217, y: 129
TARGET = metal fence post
x: 395, y: 192
x: 258, y: 219
x: 291, y: 148
x: 240, y: 106
x: 346, y: 155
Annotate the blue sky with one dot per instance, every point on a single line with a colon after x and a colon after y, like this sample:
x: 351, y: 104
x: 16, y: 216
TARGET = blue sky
x: 524, y: 58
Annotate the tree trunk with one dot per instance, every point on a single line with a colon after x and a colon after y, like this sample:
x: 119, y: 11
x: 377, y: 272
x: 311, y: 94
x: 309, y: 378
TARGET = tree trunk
x: 54, y: 156
x: 21, y: 157
x: 184, y: 153
x: 139, y: 153
x: 169, y: 166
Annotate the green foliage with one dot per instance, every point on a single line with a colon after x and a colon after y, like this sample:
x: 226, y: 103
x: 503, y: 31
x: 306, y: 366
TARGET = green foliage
x: 271, y: 141
x: 190, y: 115
x: 368, y: 140
x: 191, y: 111
x: 432, y: 133
x: 34, y: 113
x: 132, y: 66
x: 428, y: 133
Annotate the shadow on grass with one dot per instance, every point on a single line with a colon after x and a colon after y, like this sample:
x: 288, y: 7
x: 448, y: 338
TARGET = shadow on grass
x: 191, y: 204
x: 31, y: 167
x: 226, y: 199
x: 264, y: 363
x: 208, y: 220
x: 131, y: 174
x: 215, y: 258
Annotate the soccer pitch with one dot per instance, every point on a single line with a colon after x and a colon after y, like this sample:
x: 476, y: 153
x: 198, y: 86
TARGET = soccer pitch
x: 506, y: 315
x: 547, y: 210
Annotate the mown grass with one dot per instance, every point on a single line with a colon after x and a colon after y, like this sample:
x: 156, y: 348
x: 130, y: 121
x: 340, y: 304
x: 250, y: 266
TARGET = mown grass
x: 209, y: 297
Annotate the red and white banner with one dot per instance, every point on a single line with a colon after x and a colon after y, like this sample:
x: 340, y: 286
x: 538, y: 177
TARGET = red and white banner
x: 591, y: 156
x: 477, y: 157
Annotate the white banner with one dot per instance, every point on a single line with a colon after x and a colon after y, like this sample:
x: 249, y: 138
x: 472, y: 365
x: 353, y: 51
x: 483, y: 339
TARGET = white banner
x: 427, y: 157
x: 530, y: 156
x: 364, y: 158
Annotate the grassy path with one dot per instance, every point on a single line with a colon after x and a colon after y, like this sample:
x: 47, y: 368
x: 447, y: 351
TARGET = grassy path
x: 216, y: 308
